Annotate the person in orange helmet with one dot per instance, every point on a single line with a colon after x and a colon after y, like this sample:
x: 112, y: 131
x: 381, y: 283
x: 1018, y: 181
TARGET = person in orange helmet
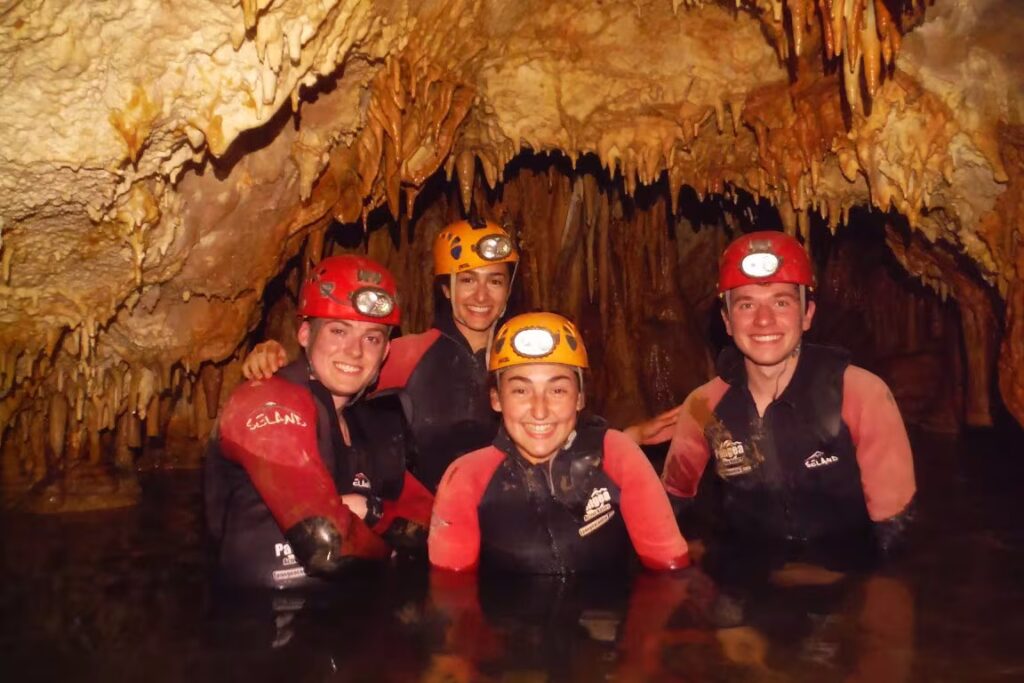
x: 305, y: 476
x: 554, y: 493
x: 442, y: 372
x: 805, y: 445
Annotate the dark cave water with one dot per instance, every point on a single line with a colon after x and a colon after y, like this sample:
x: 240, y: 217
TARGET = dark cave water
x: 127, y: 596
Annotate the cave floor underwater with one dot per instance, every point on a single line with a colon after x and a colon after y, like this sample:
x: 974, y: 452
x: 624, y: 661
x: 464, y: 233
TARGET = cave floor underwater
x: 126, y: 596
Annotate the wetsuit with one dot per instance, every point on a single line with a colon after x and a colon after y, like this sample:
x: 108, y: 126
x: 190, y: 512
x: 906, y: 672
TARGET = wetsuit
x: 583, y: 510
x: 275, y: 472
x: 830, y: 455
x: 445, y: 395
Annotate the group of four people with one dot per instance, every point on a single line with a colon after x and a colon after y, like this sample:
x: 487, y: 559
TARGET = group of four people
x: 337, y: 458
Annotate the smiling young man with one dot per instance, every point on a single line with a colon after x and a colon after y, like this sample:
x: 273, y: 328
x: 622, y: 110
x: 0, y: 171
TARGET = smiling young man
x: 305, y: 477
x: 805, y: 445
x: 553, y: 494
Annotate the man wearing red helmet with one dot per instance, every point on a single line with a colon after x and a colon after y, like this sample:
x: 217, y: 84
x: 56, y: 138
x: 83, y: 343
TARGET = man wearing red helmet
x: 805, y: 445
x: 303, y: 478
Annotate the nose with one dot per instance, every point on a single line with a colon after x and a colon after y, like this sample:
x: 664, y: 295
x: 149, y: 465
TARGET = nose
x: 539, y: 406
x: 764, y: 315
x: 479, y: 294
x: 352, y: 346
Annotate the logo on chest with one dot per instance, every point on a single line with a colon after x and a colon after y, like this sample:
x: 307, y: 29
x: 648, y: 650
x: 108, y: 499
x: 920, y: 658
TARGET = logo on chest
x: 732, y: 459
x: 598, y: 511
x: 820, y: 459
x: 361, y: 482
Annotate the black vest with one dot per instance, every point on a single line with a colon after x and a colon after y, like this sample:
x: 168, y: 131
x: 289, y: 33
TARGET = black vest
x: 557, y: 517
x: 252, y: 547
x: 793, y: 473
x: 449, y: 406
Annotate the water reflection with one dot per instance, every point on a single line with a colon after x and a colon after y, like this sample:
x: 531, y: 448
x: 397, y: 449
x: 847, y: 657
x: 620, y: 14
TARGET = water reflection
x: 125, y: 596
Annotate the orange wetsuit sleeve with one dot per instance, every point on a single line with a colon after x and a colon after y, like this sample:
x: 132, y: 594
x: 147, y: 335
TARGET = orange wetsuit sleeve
x: 269, y: 428
x: 644, y: 506
x: 688, y: 454
x: 880, y: 438
x: 414, y: 503
x: 454, y: 541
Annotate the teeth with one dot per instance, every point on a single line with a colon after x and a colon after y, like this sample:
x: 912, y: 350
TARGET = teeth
x: 479, y: 309
x: 345, y: 367
x: 539, y: 430
x: 766, y: 337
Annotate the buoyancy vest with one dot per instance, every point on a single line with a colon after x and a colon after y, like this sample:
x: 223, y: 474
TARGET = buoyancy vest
x: 557, y: 517
x: 252, y: 548
x: 448, y: 405
x: 792, y: 473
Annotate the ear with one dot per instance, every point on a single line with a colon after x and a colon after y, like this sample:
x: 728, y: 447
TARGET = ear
x: 581, y: 401
x: 809, y: 316
x: 303, y: 334
x: 447, y: 291
x: 725, y: 318
x: 495, y: 399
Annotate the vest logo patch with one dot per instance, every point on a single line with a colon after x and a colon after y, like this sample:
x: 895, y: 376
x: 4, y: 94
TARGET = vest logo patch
x: 732, y: 459
x: 820, y: 459
x: 593, y: 526
x: 361, y: 482
x: 271, y: 414
x: 599, y: 503
x: 283, y: 552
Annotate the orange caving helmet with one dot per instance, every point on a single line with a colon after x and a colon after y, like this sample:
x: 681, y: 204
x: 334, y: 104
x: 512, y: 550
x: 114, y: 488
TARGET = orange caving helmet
x: 764, y: 257
x: 350, y: 288
x: 537, y: 338
x: 465, y: 245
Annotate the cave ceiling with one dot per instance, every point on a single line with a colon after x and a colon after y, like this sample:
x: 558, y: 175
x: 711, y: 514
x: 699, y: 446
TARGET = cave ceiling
x: 161, y: 162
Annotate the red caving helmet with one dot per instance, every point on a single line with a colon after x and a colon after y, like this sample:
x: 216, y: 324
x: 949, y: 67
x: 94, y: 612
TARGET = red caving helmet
x: 350, y: 288
x: 764, y: 257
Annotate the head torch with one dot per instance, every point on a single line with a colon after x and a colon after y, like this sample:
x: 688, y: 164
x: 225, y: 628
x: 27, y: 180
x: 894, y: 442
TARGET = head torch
x: 493, y: 247
x: 760, y: 264
x: 373, y: 302
x: 534, y: 342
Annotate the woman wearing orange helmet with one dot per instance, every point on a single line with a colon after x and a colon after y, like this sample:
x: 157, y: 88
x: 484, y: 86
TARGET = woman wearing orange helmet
x: 805, y: 445
x: 302, y: 477
x: 553, y: 493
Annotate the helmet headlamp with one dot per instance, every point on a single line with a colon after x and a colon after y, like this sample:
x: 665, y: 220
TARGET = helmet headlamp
x: 760, y: 264
x: 493, y: 247
x: 534, y: 342
x: 373, y: 302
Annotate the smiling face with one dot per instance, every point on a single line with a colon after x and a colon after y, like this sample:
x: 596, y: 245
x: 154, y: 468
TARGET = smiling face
x: 766, y: 321
x: 479, y: 297
x: 345, y: 355
x: 538, y: 403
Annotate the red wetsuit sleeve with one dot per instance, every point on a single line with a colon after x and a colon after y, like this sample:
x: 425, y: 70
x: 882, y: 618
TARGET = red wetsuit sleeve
x: 688, y: 454
x: 454, y: 541
x: 883, y: 449
x: 414, y: 504
x: 644, y: 505
x: 404, y: 356
x: 269, y: 428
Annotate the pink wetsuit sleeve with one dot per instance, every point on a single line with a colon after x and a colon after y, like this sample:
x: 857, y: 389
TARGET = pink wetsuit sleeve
x: 454, y: 541
x: 688, y: 454
x: 403, y: 357
x: 644, y: 505
x: 883, y: 449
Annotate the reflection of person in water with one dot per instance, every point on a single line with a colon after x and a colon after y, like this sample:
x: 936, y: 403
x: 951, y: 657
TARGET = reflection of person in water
x: 553, y: 494
x: 303, y: 479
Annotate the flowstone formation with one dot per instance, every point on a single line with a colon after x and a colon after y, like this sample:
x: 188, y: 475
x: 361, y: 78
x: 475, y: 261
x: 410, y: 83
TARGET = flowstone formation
x: 162, y: 163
